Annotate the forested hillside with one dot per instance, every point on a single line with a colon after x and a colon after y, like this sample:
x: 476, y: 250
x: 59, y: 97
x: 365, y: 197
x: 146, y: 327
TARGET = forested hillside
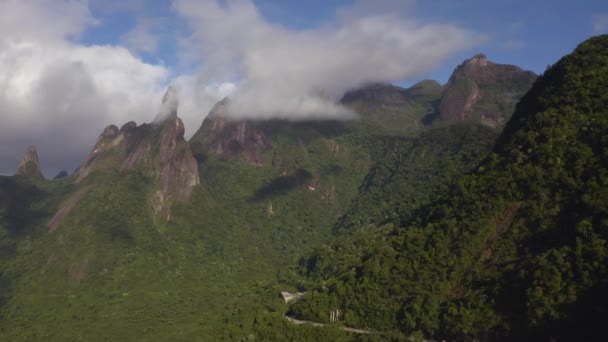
x: 516, y: 250
x: 403, y: 224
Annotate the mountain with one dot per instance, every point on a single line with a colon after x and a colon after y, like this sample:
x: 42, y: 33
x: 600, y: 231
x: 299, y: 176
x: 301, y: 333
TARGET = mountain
x: 29, y: 165
x: 159, y: 149
x: 478, y: 91
x: 483, y: 91
x: 516, y: 250
x: 61, y: 174
x: 159, y: 238
x: 411, y: 172
x: 389, y: 109
x: 230, y: 139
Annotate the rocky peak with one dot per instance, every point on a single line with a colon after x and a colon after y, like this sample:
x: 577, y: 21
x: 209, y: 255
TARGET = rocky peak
x: 110, y: 131
x: 169, y: 106
x: 479, y: 60
x: 29, y: 165
x: 231, y: 138
x: 484, y: 91
x: 177, y: 169
x: 158, y: 149
x: 220, y: 109
x: 128, y: 125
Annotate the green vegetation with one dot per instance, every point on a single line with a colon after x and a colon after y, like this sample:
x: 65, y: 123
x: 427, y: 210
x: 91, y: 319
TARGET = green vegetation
x: 411, y: 231
x: 516, y: 250
x: 409, y: 173
x: 391, y: 110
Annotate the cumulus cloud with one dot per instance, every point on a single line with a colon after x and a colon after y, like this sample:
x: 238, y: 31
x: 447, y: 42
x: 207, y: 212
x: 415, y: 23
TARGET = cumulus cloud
x: 58, y: 94
x: 291, y: 74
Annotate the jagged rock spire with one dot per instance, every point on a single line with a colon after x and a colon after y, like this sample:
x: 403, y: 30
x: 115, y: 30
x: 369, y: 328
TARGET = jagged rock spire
x: 168, y: 107
x: 159, y: 150
x: 29, y: 165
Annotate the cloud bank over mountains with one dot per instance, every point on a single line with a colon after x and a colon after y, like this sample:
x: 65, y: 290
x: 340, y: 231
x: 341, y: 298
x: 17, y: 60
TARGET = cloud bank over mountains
x: 300, y: 74
x: 58, y: 92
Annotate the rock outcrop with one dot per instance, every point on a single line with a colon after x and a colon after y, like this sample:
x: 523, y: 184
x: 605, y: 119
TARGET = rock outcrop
x: 484, y: 91
x: 29, y: 165
x: 158, y: 149
x: 229, y: 138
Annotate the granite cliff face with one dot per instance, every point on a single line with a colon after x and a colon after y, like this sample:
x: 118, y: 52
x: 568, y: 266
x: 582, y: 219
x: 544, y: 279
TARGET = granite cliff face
x: 29, y: 165
x: 230, y: 139
x: 159, y: 150
x: 484, y: 91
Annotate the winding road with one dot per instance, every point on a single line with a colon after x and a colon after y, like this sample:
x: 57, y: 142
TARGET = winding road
x: 314, y: 324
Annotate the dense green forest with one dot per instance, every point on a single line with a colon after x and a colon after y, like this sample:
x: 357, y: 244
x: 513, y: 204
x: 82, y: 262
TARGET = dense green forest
x: 515, y: 250
x: 411, y: 229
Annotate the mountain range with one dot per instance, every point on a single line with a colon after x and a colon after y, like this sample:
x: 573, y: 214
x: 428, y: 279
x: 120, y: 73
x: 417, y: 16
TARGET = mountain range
x: 473, y: 210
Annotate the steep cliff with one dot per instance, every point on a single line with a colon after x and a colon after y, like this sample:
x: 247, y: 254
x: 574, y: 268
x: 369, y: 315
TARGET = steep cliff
x: 158, y: 150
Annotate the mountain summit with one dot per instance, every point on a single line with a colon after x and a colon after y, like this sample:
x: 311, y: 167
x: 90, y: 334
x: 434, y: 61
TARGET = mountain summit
x: 29, y: 165
x: 159, y: 149
x: 229, y: 138
x: 484, y: 91
x: 516, y: 250
x: 168, y: 107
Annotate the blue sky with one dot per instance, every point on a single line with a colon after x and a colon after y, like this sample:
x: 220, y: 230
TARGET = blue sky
x: 69, y: 68
x: 528, y: 33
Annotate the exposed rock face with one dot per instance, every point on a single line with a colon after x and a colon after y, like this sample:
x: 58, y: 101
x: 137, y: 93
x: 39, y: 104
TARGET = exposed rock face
x: 159, y: 149
x: 29, y: 165
x: 229, y: 139
x: 177, y: 169
x: 109, y: 132
x: 484, y: 91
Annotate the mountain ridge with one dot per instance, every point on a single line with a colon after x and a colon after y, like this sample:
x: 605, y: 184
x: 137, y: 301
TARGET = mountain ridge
x: 515, y: 250
x: 29, y: 166
x: 399, y: 221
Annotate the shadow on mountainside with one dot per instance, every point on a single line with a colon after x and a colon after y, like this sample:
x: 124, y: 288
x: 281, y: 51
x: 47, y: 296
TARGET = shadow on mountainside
x: 281, y: 185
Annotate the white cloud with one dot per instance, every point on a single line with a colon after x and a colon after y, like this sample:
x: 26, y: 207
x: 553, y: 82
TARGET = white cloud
x: 25, y: 20
x: 299, y: 74
x: 58, y: 94
x: 600, y: 24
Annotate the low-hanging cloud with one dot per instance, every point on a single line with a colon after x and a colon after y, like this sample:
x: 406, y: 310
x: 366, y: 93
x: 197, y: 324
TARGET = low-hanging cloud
x: 59, y: 93
x: 278, y: 72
